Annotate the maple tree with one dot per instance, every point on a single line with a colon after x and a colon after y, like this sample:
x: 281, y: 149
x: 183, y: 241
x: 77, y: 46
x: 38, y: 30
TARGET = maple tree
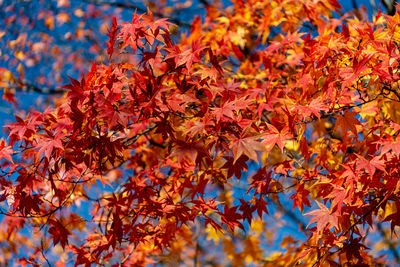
x: 204, y: 140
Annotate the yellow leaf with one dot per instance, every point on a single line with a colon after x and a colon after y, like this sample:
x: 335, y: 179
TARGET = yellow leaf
x: 20, y: 69
x: 229, y: 247
x: 390, y: 208
x: 257, y: 226
x: 226, y: 197
x: 287, y: 241
x: 369, y: 110
x: 239, y: 38
x: 20, y: 55
x: 49, y: 22
x: 223, y: 20
x: 213, y: 234
x: 292, y: 145
x: 252, y: 250
x: 273, y: 256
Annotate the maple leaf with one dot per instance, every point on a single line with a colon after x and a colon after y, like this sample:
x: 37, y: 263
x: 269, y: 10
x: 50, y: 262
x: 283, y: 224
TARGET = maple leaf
x: 59, y: 232
x: 338, y: 196
x: 370, y: 165
x: 274, y: 136
x: 393, y: 146
x: 238, y: 53
x: 246, y: 146
x: 261, y: 181
x: 196, y: 128
x: 191, y: 55
x: 193, y: 152
x: 5, y: 151
x: 314, y: 108
x: 207, y: 73
x: 347, y: 122
x: 262, y: 107
x: 231, y: 217
x: 261, y: 206
x: 300, y: 198
x: 235, y: 167
x: 323, y: 218
x: 352, y: 73
x: 112, y: 34
x: 230, y: 108
x: 131, y: 34
x: 47, y: 145
x: 247, y: 210
x: 214, y: 61
x: 23, y: 129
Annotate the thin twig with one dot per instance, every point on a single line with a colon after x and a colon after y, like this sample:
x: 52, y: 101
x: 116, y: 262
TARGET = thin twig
x: 42, y: 252
x: 127, y: 256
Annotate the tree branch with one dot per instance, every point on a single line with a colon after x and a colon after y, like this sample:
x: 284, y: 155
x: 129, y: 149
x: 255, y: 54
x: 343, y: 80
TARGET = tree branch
x: 390, y: 6
x: 28, y: 87
x: 127, y: 256
x: 135, y: 7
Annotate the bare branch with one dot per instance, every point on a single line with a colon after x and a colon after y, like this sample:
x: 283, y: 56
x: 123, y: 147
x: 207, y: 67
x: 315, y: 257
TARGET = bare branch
x: 135, y: 7
x: 28, y: 87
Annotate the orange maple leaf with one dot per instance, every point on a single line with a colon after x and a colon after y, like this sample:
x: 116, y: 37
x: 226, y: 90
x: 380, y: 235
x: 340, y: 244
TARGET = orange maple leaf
x: 347, y: 122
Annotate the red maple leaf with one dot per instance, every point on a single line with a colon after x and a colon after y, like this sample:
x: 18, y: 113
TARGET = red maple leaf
x: 59, y: 232
x: 246, y: 146
x: 275, y: 137
x: 323, y: 218
x: 48, y: 144
x: 300, y: 198
x: 112, y: 34
x: 347, y: 122
x: 5, y: 151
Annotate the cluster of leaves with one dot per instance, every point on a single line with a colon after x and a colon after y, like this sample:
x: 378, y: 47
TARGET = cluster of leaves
x: 61, y: 37
x: 167, y: 137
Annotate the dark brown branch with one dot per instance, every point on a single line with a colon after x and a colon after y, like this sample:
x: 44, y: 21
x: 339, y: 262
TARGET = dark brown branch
x: 42, y: 252
x: 27, y: 87
x: 135, y: 7
x: 205, y: 3
x: 354, y: 3
x: 196, y: 255
x: 133, y: 139
x: 391, y: 7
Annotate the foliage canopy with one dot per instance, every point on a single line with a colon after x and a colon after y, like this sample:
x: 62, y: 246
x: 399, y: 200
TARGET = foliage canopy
x: 172, y: 144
